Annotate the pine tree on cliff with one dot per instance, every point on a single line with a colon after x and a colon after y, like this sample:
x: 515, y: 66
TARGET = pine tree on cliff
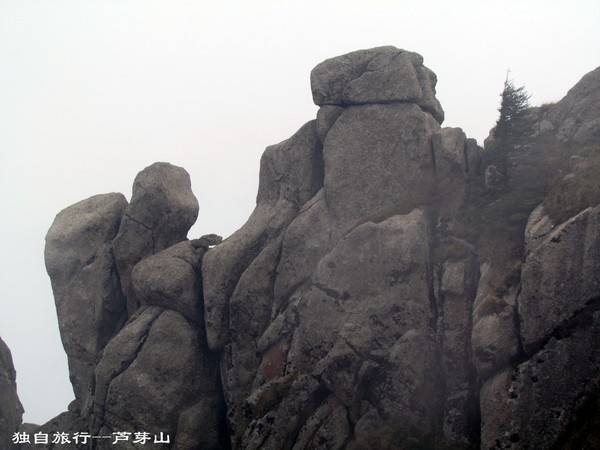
x: 514, y: 128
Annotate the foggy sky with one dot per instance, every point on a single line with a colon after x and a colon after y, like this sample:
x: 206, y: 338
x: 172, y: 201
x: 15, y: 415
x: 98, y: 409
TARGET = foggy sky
x: 91, y: 92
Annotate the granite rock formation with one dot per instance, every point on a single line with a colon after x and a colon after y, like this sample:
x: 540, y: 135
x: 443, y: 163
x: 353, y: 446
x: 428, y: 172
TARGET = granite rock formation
x: 380, y: 295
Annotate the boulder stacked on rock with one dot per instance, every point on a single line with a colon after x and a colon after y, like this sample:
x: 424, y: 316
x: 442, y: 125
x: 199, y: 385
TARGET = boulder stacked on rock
x: 340, y: 321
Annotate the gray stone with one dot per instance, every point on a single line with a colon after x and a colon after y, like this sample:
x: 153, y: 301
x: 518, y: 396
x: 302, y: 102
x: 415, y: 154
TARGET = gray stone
x: 162, y: 210
x: 378, y: 307
x: 276, y: 429
x: 545, y: 126
x: 382, y: 294
x: 578, y: 112
x: 249, y: 313
x: 11, y: 410
x: 451, y: 169
x: 327, y: 428
x: 153, y: 374
x: 474, y: 152
x: 377, y: 75
x: 494, y: 336
x: 574, y: 192
x: 542, y: 401
x: 87, y: 293
x: 306, y: 240
x: 208, y: 240
x: 493, y: 178
x: 560, y: 277
x: 455, y: 299
x: 171, y: 279
x: 539, y: 225
x: 374, y: 149
x: 291, y: 173
x: 326, y: 117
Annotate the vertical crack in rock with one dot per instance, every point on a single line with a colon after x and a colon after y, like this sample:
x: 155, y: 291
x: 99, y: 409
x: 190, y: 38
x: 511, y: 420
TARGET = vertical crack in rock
x: 104, y: 380
x: 434, y: 277
x: 154, y: 246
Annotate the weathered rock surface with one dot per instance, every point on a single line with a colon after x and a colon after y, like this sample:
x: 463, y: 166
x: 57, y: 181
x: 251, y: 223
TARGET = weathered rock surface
x: 373, y: 148
x: 337, y: 309
x: 80, y: 262
x: 577, y: 116
x: 560, y: 277
x: 171, y: 279
x: 291, y: 172
x: 495, y: 337
x: 576, y: 191
x: 162, y: 210
x: 154, y: 375
x: 541, y: 402
x: 161, y: 350
x: 11, y: 410
x: 377, y: 75
x: 543, y: 392
x: 380, y: 296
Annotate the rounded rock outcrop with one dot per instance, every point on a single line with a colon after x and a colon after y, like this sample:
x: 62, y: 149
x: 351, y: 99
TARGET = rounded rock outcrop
x: 377, y: 75
x: 162, y: 210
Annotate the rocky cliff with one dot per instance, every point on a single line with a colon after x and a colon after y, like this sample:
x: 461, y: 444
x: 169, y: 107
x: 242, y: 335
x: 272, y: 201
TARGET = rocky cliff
x: 380, y: 296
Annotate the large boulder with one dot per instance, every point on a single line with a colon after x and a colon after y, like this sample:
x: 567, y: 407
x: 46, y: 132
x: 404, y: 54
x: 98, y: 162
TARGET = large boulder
x: 87, y: 292
x: 377, y: 75
x: 11, y: 410
x: 162, y: 210
x: 560, y: 277
x: 171, y: 279
x: 157, y: 375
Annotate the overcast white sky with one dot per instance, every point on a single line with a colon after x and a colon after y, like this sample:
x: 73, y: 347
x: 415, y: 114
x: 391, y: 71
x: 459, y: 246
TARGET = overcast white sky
x: 91, y: 92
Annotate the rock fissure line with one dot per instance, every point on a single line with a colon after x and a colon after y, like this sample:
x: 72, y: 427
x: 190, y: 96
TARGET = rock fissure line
x: 125, y: 365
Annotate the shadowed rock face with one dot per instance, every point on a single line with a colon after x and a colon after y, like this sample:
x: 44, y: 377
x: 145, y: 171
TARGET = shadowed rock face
x: 576, y: 117
x: 363, y: 305
x: 11, y: 410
